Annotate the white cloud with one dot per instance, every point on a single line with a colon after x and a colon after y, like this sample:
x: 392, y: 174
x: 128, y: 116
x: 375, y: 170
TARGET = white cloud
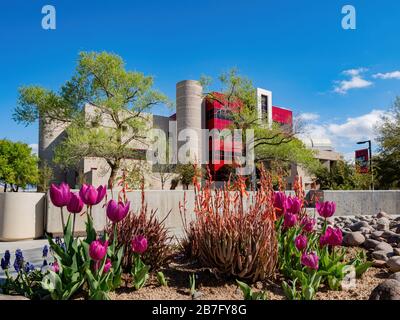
x: 356, y: 81
x: 309, y: 116
x: 34, y: 147
x: 344, y: 135
x: 388, y: 75
x: 357, y: 128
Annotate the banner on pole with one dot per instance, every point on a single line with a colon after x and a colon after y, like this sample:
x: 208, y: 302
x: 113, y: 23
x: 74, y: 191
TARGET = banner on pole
x: 362, y: 160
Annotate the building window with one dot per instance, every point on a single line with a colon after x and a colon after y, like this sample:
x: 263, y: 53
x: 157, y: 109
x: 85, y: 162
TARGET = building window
x: 264, y: 104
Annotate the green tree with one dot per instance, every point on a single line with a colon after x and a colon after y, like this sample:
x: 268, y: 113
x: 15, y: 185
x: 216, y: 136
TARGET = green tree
x: 119, y: 100
x: 18, y: 166
x: 342, y: 176
x: 387, y: 163
x: 186, y: 173
x: 272, y: 143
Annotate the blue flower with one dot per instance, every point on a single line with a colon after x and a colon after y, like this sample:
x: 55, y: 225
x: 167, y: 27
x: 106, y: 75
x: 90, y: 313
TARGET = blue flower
x: 5, y: 262
x: 19, y: 260
x: 29, y: 267
x: 7, y: 256
x: 44, y: 263
x: 45, y: 251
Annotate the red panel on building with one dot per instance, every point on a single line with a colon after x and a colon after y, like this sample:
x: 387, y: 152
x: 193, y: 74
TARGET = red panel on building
x: 282, y: 116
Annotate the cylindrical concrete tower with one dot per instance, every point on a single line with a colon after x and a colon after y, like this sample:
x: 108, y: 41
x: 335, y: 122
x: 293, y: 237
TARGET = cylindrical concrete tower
x: 50, y: 135
x: 189, y: 113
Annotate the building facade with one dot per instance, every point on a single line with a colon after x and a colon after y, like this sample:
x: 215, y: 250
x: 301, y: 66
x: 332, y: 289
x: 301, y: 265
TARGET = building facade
x: 185, y: 128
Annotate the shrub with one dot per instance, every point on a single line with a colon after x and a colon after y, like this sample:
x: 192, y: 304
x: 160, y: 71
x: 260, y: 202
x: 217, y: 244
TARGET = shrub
x: 229, y: 237
x: 158, y: 252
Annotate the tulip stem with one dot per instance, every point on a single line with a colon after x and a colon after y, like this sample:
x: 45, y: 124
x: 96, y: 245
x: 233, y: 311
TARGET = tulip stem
x: 73, y: 226
x: 62, y: 220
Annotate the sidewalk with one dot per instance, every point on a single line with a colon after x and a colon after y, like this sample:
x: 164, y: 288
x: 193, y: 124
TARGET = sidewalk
x: 31, y: 249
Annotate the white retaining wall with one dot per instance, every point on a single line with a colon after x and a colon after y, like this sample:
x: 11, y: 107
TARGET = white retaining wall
x: 24, y: 215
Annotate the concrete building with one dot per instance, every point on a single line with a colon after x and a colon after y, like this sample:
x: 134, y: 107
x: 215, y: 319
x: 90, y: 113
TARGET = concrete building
x: 323, y: 152
x: 183, y: 130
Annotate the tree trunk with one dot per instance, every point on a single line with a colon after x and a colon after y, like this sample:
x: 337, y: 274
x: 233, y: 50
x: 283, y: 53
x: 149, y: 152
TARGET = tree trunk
x: 5, y: 187
x: 114, y: 170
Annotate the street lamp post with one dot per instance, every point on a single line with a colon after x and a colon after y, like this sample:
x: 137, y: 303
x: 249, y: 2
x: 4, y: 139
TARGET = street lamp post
x: 370, y: 160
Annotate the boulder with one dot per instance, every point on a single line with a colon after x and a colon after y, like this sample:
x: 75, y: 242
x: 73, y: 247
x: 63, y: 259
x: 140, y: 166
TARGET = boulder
x: 376, y: 235
x: 387, y: 290
x: 353, y: 239
x: 378, y: 263
x: 365, y: 230
x: 382, y: 214
x: 383, y: 246
x: 394, y: 264
x: 395, y: 276
x: 370, y: 243
x: 381, y: 255
x: 382, y: 224
x: 358, y: 225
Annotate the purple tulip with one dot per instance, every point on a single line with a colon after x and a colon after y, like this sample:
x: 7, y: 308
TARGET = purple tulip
x: 107, y: 265
x: 308, y: 224
x: 55, y: 267
x: 280, y: 203
x: 293, y: 205
x: 92, y: 196
x: 98, y: 249
x: 139, y: 244
x: 332, y: 237
x: 117, y: 211
x: 60, y: 195
x: 289, y: 220
x: 326, y: 209
x: 300, y: 242
x: 310, y: 260
x: 75, y: 204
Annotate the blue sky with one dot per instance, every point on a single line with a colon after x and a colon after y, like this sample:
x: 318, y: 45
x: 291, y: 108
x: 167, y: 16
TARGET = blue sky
x: 297, y: 49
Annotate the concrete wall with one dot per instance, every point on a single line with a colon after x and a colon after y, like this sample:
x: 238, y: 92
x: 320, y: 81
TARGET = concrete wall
x: 21, y: 215
x: 162, y: 201
x: 364, y: 202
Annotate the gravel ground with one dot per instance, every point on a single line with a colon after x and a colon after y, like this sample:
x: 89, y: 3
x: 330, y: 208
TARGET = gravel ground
x: 212, y: 288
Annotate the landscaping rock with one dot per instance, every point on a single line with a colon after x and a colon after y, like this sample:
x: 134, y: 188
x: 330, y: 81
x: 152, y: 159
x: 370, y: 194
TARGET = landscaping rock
x: 365, y: 230
x: 379, y: 263
x: 197, y: 295
x: 358, y: 225
x: 353, y: 239
x: 370, y: 243
x: 381, y: 255
x: 395, y: 276
x: 396, y: 251
x: 388, y: 234
x: 382, y: 224
x: 382, y: 214
x: 376, y: 234
x: 387, y: 290
x: 383, y: 246
x: 394, y: 264
x: 394, y: 239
